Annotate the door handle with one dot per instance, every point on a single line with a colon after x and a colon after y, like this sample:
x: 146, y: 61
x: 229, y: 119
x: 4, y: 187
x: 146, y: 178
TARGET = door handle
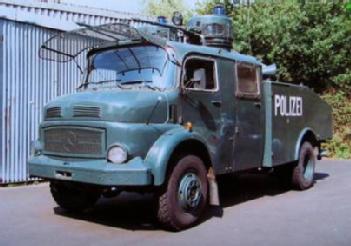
x: 257, y: 104
x: 216, y: 103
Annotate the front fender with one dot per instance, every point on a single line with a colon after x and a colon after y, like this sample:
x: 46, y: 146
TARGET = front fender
x: 161, y: 151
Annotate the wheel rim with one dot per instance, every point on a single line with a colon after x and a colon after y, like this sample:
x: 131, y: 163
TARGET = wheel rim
x: 308, y: 173
x: 189, y: 192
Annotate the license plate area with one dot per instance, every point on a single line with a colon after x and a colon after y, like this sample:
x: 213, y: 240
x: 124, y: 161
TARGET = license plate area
x: 63, y: 175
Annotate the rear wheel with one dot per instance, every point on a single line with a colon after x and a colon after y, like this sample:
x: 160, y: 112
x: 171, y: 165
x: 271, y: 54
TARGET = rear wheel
x: 184, y: 198
x: 74, y: 197
x: 303, y: 173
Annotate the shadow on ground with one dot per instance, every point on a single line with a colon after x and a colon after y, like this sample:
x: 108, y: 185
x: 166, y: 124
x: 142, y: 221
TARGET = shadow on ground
x: 137, y: 212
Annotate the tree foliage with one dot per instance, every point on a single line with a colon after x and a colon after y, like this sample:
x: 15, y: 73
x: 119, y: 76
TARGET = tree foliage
x: 340, y: 147
x: 166, y: 8
x: 310, y: 42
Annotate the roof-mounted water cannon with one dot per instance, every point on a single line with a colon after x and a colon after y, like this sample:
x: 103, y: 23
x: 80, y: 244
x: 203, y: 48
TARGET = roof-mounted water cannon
x: 177, y: 18
x: 219, y: 10
x: 216, y: 29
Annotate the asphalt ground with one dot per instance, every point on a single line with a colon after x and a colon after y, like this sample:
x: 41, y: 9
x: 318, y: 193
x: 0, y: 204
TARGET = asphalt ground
x: 256, y: 210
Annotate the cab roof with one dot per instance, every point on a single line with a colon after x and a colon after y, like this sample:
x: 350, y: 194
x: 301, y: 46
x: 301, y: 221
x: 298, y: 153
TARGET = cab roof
x: 185, y: 49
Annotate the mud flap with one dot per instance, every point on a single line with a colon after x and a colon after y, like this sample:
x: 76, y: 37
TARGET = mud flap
x: 213, y: 188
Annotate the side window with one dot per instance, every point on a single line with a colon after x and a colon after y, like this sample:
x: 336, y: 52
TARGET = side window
x: 199, y: 74
x: 248, y: 80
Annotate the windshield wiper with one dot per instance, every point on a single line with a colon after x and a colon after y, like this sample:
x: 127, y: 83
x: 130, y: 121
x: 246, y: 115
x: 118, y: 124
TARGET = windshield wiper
x: 154, y: 88
x: 101, y: 82
x: 131, y: 82
x: 143, y: 83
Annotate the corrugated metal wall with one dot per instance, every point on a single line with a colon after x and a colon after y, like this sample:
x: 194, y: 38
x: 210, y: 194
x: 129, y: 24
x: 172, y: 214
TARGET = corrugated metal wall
x: 2, y: 166
x: 27, y: 84
x: 61, y: 16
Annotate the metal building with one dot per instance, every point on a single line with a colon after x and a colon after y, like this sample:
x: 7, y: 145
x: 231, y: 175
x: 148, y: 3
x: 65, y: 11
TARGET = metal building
x: 28, y: 83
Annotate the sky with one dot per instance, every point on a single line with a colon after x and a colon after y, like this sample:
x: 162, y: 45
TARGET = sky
x: 132, y: 6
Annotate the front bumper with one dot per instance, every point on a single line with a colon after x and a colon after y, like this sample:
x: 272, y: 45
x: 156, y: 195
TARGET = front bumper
x: 99, y: 172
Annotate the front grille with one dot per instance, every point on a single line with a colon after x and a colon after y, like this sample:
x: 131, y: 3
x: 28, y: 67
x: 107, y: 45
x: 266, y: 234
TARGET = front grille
x: 54, y: 112
x: 86, y: 111
x: 73, y: 141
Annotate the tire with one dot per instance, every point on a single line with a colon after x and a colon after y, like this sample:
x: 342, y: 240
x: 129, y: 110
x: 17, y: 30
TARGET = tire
x: 184, y: 197
x: 303, y: 173
x: 74, y: 197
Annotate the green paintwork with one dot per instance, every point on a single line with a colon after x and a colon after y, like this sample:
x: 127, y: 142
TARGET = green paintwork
x: 267, y: 156
x: 160, y: 152
x: 131, y: 106
x: 283, y: 135
x: 238, y: 134
x: 98, y: 172
x: 288, y: 131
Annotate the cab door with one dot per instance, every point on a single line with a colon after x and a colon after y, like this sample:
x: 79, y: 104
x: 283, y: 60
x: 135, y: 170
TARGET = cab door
x: 249, y: 128
x: 202, y: 106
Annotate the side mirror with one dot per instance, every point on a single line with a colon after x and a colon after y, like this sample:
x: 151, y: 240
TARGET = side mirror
x: 269, y: 70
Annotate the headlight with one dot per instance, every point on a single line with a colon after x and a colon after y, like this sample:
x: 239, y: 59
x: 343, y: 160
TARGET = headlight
x: 36, y: 147
x: 117, y: 154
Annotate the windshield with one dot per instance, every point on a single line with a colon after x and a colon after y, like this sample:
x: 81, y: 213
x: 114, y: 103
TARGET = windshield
x: 131, y: 67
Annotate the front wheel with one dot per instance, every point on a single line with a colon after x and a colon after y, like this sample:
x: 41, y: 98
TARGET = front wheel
x: 74, y: 197
x: 303, y: 173
x: 184, y: 198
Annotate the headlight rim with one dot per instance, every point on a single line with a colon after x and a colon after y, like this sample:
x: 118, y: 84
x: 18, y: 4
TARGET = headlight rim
x: 117, y: 145
x: 36, y: 147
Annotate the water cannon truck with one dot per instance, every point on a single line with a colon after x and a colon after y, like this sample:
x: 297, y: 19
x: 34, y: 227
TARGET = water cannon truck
x: 169, y: 110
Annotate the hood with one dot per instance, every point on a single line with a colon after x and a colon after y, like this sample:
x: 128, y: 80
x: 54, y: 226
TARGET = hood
x: 116, y: 106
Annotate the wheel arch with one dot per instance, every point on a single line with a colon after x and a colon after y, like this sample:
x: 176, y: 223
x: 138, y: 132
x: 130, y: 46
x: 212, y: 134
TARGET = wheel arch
x: 192, y: 147
x: 170, y: 145
x: 307, y: 134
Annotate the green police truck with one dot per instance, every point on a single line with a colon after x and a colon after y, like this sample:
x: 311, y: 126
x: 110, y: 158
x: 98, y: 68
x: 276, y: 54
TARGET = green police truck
x: 168, y: 109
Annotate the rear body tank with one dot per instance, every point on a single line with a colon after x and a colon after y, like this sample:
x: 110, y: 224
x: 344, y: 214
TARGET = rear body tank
x: 291, y: 111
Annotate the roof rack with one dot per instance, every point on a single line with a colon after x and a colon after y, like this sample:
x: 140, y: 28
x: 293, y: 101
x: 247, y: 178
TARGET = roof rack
x: 66, y: 46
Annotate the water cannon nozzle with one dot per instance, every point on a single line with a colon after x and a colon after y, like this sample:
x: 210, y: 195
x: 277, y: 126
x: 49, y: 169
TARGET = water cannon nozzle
x: 219, y: 9
x: 177, y: 18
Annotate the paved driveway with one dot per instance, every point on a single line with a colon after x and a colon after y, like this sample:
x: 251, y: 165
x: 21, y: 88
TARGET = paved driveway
x: 256, y: 211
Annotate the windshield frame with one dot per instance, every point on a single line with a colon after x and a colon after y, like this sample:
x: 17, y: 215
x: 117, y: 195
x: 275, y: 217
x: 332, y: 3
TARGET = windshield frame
x: 162, y: 71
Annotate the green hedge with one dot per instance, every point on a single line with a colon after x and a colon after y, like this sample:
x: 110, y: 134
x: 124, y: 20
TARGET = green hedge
x: 340, y: 146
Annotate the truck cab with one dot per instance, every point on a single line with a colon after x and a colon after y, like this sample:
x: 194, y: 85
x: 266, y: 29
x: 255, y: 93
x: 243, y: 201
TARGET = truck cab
x: 169, y: 113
